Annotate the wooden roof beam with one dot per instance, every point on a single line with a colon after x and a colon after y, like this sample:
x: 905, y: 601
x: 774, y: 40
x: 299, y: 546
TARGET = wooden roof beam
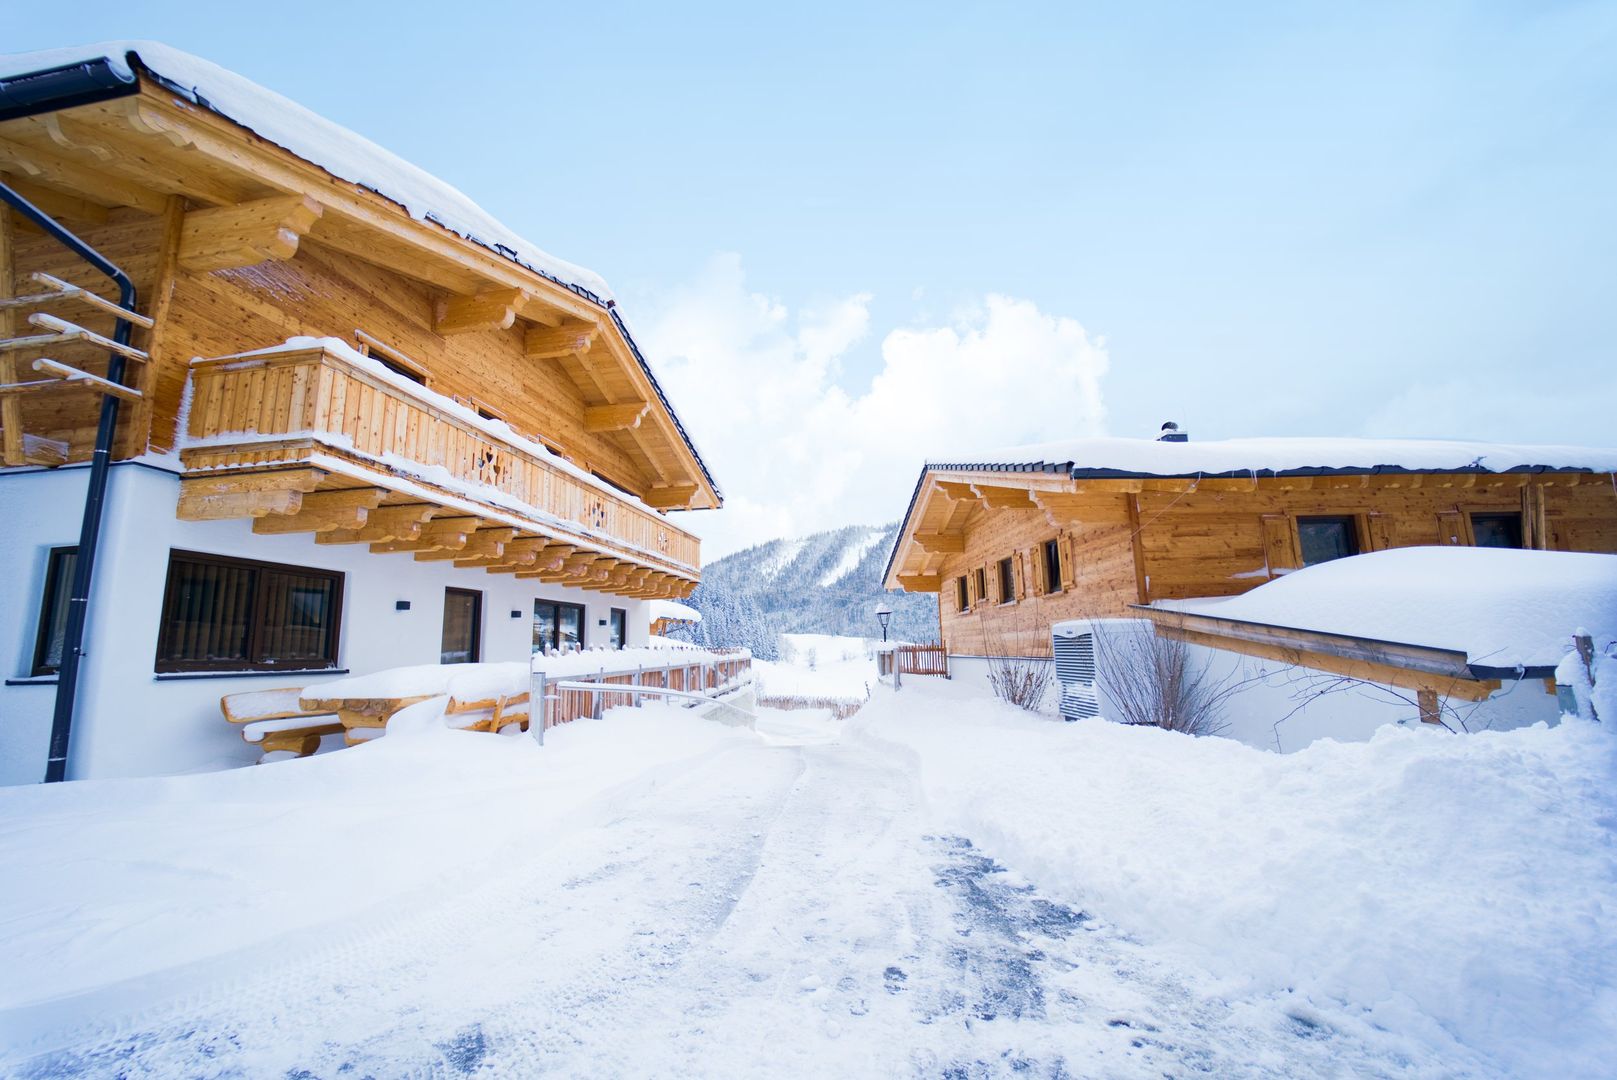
x: 669, y: 496
x: 324, y: 511
x: 383, y: 523
x: 250, y: 495
x: 445, y: 532
x: 482, y: 544
x: 228, y: 237
x: 494, y: 309
x: 53, y: 170
x: 920, y: 583
x: 554, y: 342
x: 625, y: 416
x: 941, y: 543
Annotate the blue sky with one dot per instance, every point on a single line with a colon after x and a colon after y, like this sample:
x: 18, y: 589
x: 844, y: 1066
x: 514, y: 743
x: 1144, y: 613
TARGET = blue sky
x: 1345, y: 219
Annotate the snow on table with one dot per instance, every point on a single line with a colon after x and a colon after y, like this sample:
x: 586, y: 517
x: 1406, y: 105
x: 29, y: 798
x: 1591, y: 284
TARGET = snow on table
x: 1503, y: 608
x: 673, y: 609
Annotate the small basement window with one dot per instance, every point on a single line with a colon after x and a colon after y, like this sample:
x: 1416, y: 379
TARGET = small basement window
x: 1052, y: 566
x: 1007, y: 582
x: 1497, y: 530
x: 53, y: 610
x: 1326, y: 538
x: 224, y: 614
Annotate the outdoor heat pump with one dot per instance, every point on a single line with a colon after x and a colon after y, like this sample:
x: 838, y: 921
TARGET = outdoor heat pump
x: 1073, y: 646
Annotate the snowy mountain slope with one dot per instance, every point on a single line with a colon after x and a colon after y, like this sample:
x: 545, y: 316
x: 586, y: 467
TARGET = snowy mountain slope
x: 827, y: 583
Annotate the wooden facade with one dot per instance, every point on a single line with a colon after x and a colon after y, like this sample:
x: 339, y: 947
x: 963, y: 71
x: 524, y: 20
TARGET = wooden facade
x: 237, y: 245
x: 1121, y: 541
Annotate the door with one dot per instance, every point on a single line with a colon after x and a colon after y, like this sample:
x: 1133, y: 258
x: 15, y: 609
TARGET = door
x: 620, y: 628
x: 463, y: 624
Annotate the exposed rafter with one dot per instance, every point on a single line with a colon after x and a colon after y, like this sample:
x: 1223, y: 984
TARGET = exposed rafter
x: 495, y: 309
x: 622, y: 417
x: 231, y: 236
x: 553, y: 342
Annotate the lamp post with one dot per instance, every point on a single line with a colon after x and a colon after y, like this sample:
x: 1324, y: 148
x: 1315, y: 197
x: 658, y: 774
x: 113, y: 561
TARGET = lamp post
x: 884, y: 613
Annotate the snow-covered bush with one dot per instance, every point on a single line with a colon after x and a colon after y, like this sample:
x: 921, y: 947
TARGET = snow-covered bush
x: 1153, y: 681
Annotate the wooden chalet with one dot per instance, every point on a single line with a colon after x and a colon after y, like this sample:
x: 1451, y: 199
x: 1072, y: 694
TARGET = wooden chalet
x: 344, y: 392
x: 1021, y: 539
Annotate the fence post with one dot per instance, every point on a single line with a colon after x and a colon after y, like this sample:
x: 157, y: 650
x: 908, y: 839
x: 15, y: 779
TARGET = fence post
x: 538, y: 706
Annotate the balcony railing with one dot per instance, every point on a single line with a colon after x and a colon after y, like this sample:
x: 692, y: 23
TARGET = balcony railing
x: 291, y: 405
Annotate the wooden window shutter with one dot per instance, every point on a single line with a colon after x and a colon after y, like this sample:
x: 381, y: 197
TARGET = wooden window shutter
x: 1377, y: 532
x: 1280, y: 543
x: 1451, y: 528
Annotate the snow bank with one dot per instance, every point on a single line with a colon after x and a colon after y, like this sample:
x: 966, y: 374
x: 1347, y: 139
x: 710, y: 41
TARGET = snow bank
x: 1451, y: 889
x: 108, y: 880
x: 1152, y: 458
x: 1501, y: 607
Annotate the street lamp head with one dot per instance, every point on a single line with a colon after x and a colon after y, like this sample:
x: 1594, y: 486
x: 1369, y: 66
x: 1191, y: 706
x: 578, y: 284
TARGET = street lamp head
x: 883, y: 613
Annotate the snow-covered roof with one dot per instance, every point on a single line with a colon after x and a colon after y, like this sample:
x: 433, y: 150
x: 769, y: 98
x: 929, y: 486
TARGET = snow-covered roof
x: 1106, y: 456
x: 673, y: 609
x: 1503, y: 608
x: 316, y: 139
x: 347, y: 156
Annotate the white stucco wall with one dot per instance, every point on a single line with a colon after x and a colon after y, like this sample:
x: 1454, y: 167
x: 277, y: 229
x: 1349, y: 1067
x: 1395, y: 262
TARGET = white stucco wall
x: 1284, y: 708
x: 132, y: 722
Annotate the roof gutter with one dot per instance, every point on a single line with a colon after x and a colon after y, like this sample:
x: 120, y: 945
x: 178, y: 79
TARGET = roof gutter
x: 64, y: 88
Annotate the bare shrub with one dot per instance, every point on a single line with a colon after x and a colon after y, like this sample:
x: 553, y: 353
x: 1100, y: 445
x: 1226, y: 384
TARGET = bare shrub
x: 1154, y: 681
x: 1024, y: 681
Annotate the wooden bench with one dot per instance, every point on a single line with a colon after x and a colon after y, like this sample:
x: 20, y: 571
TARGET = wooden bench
x: 277, y: 722
x: 498, y: 714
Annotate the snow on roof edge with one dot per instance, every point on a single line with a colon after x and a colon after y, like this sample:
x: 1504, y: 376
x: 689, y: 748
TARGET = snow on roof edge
x: 1101, y: 456
x: 347, y: 156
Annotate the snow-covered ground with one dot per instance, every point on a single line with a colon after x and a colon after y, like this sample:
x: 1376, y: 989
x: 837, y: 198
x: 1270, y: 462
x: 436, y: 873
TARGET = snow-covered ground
x: 940, y: 886
x: 818, y: 666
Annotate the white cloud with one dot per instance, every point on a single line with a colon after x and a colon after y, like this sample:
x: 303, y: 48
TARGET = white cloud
x: 795, y: 452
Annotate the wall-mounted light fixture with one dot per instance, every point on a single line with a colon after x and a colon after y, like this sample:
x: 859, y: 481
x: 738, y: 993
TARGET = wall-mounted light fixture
x: 401, y: 605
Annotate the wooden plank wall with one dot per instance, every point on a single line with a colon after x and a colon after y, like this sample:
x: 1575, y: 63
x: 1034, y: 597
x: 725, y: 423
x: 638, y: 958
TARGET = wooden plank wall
x: 1215, y: 543
x: 1097, y: 572
x: 317, y: 293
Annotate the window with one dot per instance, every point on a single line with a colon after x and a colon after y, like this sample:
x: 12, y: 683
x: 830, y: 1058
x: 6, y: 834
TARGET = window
x: 962, y: 594
x: 1327, y: 538
x: 1052, y: 566
x: 1007, y: 582
x: 463, y: 627
x: 222, y: 614
x: 557, y: 626
x: 620, y: 628
x: 982, y: 583
x: 53, y: 610
x: 1497, y: 530
x: 391, y: 358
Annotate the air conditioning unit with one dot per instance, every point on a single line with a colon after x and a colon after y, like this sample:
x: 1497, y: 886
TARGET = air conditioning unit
x: 1073, y: 646
x: 1072, y: 643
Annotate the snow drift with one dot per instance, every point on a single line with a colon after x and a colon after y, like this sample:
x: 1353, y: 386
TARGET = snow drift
x: 1457, y: 890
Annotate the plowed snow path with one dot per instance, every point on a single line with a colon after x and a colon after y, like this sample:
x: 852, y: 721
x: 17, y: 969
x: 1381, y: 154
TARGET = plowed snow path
x: 775, y: 910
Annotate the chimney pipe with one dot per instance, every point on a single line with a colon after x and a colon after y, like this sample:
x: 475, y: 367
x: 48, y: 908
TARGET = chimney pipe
x: 1170, y: 433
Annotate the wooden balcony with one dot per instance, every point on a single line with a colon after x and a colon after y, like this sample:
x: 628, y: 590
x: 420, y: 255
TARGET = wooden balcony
x: 316, y: 438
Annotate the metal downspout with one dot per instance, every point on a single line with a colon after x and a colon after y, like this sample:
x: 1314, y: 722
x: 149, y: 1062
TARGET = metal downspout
x: 67, y: 678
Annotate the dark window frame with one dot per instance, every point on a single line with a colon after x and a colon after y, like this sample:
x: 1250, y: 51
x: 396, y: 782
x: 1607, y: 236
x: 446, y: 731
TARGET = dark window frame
x: 1007, y: 580
x: 477, y: 622
x: 58, y: 589
x: 555, y: 608
x: 962, y: 594
x: 1050, y: 552
x: 1350, y: 529
x: 255, y: 628
x: 618, y: 622
x: 980, y: 580
x: 1513, y: 516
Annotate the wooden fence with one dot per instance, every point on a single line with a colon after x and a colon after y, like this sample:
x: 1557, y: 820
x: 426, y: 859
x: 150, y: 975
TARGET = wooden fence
x: 708, y: 672
x: 922, y: 660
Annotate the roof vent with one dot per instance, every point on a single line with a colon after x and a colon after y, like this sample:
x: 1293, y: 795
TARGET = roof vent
x: 1170, y: 433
